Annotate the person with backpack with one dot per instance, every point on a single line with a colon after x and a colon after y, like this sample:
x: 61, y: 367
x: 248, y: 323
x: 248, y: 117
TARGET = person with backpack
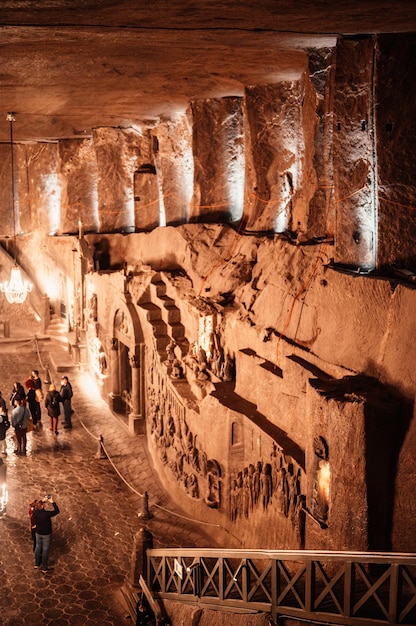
x: 52, y: 405
x: 20, y: 418
x: 37, y: 411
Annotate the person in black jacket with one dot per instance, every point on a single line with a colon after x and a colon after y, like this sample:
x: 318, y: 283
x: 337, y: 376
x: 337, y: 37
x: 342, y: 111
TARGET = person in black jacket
x: 144, y: 615
x: 52, y: 400
x: 18, y: 393
x: 4, y: 425
x: 42, y: 516
x: 66, y: 395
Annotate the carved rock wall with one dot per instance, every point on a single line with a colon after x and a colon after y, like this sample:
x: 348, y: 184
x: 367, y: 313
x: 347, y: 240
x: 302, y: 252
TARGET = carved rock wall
x: 283, y: 312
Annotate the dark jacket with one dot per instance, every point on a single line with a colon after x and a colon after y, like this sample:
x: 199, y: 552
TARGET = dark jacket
x: 52, y: 400
x: 4, y: 426
x: 42, y: 519
x: 20, y: 415
x: 18, y: 393
x: 31, y: 398
x: 66, y: 392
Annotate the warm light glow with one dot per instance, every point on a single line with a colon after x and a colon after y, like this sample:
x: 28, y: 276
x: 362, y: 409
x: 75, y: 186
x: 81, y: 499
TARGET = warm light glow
x: 162, y: 209
x: 52, y: 197
x: 324, y: 480
x: 15, y: 289
x: 205, y: 330
x: 235, y: 167
x: 3, y: 499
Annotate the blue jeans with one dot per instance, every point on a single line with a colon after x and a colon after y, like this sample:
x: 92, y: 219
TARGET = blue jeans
x: 43, y: 543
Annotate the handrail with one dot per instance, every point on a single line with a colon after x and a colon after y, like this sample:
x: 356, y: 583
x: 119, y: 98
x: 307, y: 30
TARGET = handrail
x: 349, y: 588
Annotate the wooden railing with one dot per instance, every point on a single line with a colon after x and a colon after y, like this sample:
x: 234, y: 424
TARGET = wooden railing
x: 349, y: 588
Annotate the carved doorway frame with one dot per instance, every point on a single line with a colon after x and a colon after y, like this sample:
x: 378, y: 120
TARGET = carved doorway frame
x: 127, y: 366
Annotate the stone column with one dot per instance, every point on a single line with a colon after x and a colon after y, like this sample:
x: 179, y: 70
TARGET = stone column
x: 143, y: 541
x: 136, y: 421
x: 115, y: 396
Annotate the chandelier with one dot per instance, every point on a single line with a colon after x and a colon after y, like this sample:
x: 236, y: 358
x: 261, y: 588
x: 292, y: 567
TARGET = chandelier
x: 16, y: 289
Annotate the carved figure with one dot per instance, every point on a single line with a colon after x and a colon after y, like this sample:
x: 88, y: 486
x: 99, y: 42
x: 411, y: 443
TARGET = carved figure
x: 193, y: 486
x: 213, y: 495
x: 251, y: 470
x: 246, y: 492
x: 200, y: 373
x: 228, y: 369
x: 170, y: 351
x: 102, y: 361
x: 266, y: 485
x: 177, y: 369
x: 93, y: 307
x: 284, y: 492
x: 300, y: 520
x: 257, y: 481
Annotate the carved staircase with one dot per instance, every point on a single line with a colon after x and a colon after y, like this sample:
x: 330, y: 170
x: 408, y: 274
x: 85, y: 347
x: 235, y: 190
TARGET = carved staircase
x: 165, y: 318
x: 60, y: 357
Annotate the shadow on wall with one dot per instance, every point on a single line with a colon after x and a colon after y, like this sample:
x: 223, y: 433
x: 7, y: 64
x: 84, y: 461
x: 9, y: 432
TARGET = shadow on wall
x: 102, y: 255
x: 386, y: 426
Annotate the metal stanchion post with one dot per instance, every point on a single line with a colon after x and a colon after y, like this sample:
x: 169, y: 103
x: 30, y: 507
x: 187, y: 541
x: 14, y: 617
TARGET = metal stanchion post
x: 100, y: 452
x: 145, y: 513
x: 47, y: 380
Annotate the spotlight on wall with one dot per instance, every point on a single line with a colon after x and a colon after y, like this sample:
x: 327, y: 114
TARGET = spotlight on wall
x: 16, y: 289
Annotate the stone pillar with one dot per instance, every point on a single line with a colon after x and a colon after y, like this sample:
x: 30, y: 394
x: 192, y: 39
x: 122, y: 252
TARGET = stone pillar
x: 143, y: 541
x: 115, y: 396
x: 136, y: 422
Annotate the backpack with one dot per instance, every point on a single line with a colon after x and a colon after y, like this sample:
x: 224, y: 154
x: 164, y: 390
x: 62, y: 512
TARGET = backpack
x: 39, y: 395
x: 54, y: 401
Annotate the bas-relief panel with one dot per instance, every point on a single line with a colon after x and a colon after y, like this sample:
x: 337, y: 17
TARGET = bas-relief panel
x: 177, y: 446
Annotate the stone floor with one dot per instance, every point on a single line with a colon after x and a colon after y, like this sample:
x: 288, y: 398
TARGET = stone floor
x: 100, y: 500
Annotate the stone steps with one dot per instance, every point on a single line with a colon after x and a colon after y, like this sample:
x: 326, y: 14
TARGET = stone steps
x: 165, y: 318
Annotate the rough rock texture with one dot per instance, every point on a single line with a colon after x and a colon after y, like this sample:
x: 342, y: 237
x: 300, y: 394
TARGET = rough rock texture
x: 396, y: 191
x: 354, y: 153
x: 273, y: 378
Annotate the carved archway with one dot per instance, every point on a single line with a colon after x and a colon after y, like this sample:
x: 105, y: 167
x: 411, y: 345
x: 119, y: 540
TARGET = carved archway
x: 127, y: 367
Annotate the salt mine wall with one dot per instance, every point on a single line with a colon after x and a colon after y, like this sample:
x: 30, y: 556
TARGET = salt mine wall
x: 232, y: 275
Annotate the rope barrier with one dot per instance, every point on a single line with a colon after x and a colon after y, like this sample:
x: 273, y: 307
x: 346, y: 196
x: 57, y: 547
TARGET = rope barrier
x: 144, y: 495
x: 45, y: 368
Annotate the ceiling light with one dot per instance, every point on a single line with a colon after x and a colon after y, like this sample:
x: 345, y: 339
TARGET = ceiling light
x: 16, y: 289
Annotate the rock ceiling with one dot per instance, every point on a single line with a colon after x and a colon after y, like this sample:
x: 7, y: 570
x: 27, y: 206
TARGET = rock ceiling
x: 69, y: 66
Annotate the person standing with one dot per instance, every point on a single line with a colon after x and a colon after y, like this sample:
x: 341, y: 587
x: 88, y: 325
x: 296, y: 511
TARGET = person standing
x: 52, y: 400
x: 31, y: 399
x: 32, y: 524
x: 3, y: 488
x: 18, y: 393
x: 20, y: 416
x: 4, y: 425
x: 66, y: 395
x: 42, y: 518
x: 37, y: 414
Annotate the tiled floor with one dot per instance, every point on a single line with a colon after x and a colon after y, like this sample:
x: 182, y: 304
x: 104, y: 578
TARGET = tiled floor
x: 93, y: 534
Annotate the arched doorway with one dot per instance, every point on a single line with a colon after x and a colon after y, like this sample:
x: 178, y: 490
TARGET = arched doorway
x: 127, y: 368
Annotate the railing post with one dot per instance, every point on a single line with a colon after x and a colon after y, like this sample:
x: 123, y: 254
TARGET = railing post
x: 145, y: 514
x: 394, y: 592
x: 274, y: 589
x: 348, y: 588
x: 100, y: 451
x: 47, y: 380
x: 143, y: 541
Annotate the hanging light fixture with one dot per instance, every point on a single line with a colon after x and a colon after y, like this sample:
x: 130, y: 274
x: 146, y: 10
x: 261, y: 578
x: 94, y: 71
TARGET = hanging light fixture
x: 16, y: 289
